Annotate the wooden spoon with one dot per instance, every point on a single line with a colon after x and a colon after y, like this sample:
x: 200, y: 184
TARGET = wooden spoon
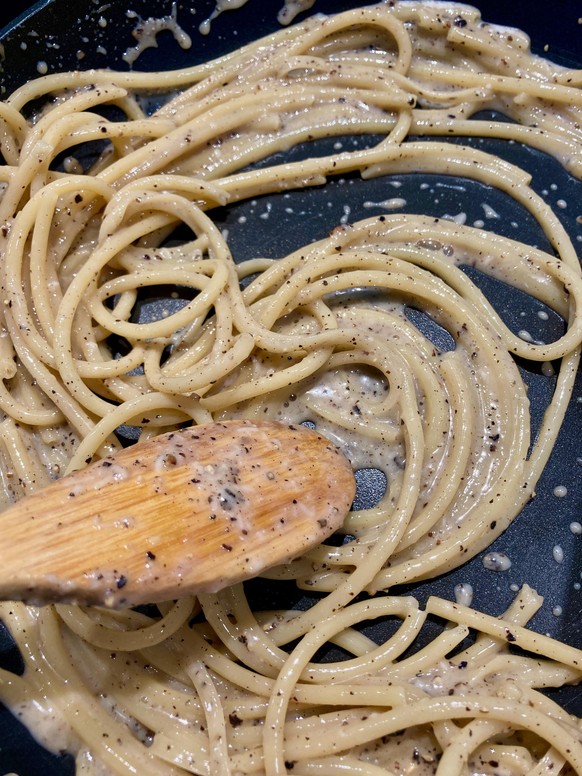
x: 185, y: 512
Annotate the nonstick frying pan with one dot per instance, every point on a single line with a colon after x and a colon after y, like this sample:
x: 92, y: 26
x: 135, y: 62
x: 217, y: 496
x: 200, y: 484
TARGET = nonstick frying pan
x: 54, y: 31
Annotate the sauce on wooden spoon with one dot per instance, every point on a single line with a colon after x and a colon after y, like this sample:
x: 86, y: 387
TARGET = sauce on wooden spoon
x: 185, y: 512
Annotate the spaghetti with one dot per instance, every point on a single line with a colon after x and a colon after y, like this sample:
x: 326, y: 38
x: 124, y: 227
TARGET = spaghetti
x: 215, y: 685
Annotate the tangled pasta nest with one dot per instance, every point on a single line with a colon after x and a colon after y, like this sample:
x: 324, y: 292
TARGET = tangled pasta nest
x: 326, y: 335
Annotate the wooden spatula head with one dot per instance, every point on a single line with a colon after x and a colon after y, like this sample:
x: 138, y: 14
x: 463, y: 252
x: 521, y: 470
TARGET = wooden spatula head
x: 190, y: 511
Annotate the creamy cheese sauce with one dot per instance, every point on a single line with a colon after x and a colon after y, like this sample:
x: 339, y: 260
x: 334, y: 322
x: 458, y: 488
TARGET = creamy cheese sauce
x: 443, y: 416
